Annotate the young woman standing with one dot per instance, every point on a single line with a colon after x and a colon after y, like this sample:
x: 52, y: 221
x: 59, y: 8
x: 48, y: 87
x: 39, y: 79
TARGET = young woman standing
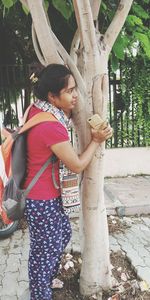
x: 49, y: 227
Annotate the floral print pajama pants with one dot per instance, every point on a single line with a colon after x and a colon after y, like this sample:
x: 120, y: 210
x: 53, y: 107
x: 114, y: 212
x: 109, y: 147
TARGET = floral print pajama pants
x: 50, y: 232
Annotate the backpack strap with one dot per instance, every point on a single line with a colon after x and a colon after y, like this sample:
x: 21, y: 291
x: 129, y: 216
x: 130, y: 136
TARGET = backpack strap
x: 52, y: 160
x: 38, y: 118
x: 25, y: 116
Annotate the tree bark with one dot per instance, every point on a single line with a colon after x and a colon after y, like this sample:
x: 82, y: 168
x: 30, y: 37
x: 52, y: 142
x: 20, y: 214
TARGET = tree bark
x: 95, y: 6
x: 45, y: 39
x: 117, y: 23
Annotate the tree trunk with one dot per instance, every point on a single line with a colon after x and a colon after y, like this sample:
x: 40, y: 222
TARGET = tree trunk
x: 95, y: 271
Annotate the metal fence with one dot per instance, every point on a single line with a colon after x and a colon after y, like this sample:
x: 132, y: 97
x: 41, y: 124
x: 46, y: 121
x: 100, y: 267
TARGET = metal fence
x: 15, y: 96
x: 128, y: 116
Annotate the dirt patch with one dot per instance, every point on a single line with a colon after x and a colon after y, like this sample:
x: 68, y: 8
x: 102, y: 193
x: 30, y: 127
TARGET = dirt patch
x: 126, y: 284
x: 116, y: 225
x: 125, y: 281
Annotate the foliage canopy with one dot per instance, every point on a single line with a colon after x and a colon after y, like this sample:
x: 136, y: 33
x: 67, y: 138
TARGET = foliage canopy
x: 134, y: 37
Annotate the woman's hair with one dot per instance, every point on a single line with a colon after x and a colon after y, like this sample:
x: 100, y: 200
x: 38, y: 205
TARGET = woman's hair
x: 52, y: 78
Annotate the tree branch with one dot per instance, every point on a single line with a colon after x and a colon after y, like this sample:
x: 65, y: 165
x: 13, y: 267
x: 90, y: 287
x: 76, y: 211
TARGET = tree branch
x: 85, y: 22
x: 36, y: 47
x: 43, y: 32
x: 95, y: 6
x: 68, y: 61
x: 75, y: 46
x: 117, y: 23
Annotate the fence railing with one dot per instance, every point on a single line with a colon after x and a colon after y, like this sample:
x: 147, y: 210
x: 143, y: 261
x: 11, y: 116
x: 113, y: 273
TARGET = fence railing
x: 15, y: 96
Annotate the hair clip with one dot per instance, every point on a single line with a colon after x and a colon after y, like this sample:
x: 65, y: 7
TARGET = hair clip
x: 33, y: 78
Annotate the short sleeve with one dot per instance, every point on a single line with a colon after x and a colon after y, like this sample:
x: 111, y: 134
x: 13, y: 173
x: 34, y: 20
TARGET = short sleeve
x: 53, y: 133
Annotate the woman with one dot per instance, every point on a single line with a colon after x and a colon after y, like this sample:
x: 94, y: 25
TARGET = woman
x: 49, y: 227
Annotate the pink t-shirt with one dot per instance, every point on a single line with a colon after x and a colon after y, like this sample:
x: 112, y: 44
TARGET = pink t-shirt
x: 40, y: 138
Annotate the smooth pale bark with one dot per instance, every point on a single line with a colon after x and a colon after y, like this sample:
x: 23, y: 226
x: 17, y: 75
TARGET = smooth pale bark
x: 75, y: 47
x: 87, y: 33
x: 95, y: 6
x: 90, y: 52
x: 42, y: 29
x: 95, y: 271
x: 117, y: 22
x: 36, y: 47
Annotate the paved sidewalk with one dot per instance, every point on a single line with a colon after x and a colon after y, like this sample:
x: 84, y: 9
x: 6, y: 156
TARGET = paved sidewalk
x: 128, y: 195
x: 135, y: 243
x: 122, y: 195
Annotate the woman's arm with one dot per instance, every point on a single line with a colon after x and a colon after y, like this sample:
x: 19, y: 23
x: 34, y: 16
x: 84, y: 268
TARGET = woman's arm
x: 65, y: 152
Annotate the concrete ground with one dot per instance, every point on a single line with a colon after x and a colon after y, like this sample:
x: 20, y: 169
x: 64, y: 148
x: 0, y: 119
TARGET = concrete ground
x: 129, y: 198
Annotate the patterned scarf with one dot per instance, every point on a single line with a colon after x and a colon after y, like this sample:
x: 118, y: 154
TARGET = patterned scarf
x: 58, y: 113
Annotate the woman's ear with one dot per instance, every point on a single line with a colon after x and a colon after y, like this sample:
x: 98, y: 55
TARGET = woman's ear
x: 50, y: 97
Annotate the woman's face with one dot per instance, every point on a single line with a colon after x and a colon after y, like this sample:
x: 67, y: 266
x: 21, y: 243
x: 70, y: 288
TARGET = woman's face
x: 67, y: 98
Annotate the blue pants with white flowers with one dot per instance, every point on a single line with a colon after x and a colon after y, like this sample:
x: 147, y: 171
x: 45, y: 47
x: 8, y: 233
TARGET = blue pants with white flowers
x: 50, y: 232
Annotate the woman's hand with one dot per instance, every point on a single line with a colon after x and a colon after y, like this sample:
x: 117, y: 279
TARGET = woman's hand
x: 102, y: 134
x: 65, y: 152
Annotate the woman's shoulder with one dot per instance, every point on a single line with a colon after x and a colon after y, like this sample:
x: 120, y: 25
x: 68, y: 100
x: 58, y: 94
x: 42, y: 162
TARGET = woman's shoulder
x: 33, y: 111
x: 47, y: 128
x: 52, y: 125
x: 52, y: 132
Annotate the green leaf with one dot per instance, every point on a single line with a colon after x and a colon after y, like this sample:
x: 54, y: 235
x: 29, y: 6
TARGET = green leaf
x: 46, y: 3
x: 114, y: 63
x: 144, y: 41
x: 8, y: 3
x: 133, y: 20
x: 26, y: 11
x: 65, y: 7
x: 140, y: 12
x: 104, y: 7
x: 120, y: 47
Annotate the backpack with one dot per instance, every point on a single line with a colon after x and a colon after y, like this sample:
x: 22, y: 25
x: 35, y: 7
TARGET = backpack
x: 13, y: 169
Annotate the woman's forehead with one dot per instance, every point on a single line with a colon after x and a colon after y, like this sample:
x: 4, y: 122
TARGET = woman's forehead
x: 71, y: 82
